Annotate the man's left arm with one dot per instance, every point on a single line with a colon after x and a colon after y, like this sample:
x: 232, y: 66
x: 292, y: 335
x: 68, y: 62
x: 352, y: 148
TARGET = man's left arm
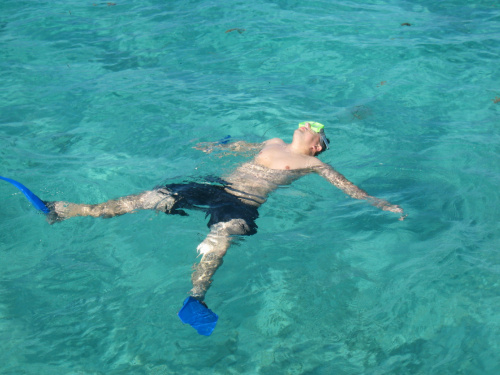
x: 352, y: 190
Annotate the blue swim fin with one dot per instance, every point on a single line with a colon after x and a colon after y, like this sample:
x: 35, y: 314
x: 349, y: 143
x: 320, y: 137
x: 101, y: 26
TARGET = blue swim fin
x: 198, y: 316
x: 37, y: 202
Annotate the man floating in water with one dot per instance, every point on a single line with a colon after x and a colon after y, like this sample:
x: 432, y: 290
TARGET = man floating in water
x: 231, y: 203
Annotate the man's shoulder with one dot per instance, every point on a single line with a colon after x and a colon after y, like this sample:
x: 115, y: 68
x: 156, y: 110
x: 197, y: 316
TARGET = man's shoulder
x: 314, y: 162
x: 274, y: 141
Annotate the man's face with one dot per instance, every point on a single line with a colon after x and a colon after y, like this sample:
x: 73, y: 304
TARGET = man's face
x: 307, y: 135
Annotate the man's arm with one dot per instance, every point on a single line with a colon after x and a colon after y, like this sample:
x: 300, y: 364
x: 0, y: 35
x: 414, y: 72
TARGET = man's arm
x: 352, y: 190
x: 238, y: 146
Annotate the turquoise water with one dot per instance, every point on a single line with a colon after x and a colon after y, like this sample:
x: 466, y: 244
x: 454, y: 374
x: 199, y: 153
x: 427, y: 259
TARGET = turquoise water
x: 99, y: 101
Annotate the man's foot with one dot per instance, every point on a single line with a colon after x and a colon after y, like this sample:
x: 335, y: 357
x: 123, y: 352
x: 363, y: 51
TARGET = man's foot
x: 198, y: 316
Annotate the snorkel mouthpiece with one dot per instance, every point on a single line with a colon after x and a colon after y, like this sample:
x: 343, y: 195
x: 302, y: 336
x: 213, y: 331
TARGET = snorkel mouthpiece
x: 317, y: 128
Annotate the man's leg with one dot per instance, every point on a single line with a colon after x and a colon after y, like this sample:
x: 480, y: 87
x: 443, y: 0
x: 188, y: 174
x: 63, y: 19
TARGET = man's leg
x: 213, y: 248
x: 158, y: 199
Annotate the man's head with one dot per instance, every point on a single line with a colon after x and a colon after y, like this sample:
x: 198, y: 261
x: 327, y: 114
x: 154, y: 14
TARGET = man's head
x: 313, y: 134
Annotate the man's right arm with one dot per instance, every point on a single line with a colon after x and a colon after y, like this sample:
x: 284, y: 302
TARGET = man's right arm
x: 238, y: 146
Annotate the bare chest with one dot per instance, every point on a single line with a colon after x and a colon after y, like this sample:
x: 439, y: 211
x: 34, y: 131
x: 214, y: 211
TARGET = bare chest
x: 279, y: 158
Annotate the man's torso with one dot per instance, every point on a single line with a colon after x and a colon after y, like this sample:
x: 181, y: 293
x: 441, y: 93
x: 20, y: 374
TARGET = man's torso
x: 274, y: 166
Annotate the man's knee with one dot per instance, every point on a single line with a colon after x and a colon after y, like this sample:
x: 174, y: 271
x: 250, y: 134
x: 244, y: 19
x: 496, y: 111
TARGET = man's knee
x: 158, y: 199
x: 232, y: 227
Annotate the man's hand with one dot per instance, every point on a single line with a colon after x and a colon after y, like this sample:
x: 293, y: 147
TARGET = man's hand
x: 206, y: 147
x: 386, y: 206
x: 396, y: 209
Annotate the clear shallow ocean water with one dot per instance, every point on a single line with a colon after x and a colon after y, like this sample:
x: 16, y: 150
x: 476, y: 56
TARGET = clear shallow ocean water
x: 100, y: 100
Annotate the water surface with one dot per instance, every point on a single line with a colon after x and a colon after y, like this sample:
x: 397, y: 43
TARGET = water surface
x: 100, y: 100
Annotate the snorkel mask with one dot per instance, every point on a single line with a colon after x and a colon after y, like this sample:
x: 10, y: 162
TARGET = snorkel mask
x: 317, y: 128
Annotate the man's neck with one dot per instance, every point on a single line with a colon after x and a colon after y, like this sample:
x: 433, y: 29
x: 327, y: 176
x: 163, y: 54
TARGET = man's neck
x: 299, y: 149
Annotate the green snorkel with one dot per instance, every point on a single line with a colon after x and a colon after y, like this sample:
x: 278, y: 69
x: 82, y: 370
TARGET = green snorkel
x: 317, y: 128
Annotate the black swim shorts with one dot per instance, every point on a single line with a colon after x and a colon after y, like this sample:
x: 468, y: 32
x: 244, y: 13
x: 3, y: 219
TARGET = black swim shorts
x: 214, y: 201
